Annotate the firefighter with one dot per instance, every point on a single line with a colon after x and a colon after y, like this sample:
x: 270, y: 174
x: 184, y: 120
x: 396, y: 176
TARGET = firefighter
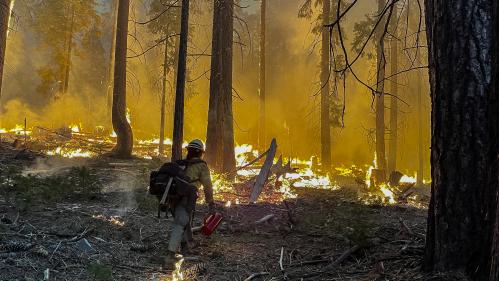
x: 183, y: 209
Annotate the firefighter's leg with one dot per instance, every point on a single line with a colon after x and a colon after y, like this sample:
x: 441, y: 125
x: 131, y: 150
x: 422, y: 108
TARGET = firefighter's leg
x: 180, y: 222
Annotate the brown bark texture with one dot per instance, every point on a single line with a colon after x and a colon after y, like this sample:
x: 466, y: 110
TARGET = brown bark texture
x: 220, y: 132
x: 4, y: 27
x: 114, y: 7
x: 178, y: 118
x: 463, y: 202
x: 124, y: 143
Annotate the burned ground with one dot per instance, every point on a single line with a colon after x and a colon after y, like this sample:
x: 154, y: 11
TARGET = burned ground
x: 112, y: 233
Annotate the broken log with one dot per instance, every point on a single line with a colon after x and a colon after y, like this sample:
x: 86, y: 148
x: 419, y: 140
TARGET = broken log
x: 264, y: 172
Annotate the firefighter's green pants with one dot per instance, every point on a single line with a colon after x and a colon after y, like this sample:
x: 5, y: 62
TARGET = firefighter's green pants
x: 181, y: 228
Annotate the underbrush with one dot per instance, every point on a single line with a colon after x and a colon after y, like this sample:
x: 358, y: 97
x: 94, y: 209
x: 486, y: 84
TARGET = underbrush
x: 24, y: 190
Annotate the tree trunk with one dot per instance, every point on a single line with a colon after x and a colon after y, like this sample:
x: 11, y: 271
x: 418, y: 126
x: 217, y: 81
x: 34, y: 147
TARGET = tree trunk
x: 114, y: 14
x: 69, y: 47
x: 4, y: 21
x: 379, y: 95
x: 262, y: 120
x: 463, y: 203
x: 325, y: 100
x: 124, y: 144
x: 392, y: 157
x: 161, y: 147
x: 178, y: 120
x: 494, y: 153
x: 220, y: 133
x: 420, y: 175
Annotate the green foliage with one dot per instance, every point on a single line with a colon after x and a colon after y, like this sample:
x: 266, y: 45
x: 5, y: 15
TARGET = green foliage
x: 25, y: 190
x: 362, y: 30
x: 100, y: 272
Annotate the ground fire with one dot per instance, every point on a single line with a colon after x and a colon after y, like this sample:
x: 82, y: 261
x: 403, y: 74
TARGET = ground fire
x: 249, y: 140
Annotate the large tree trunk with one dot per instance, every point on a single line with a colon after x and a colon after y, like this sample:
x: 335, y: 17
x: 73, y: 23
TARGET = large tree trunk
x: 114, y: 14
x: 124, y: 144
x: 161, y: 148
x: 178, y: 120
x: 262, y: 120
x: 325, y: 100
x: 69, y: 47
x: 220, y: 133
x: 392, y: 156
x: 463, y: 202
x: 4, y: 27
x: 379, y: 95
x: 494, y: 153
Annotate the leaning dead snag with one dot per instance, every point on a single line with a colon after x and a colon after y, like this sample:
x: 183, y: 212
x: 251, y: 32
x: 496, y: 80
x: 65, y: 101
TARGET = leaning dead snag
x: 264, y: 172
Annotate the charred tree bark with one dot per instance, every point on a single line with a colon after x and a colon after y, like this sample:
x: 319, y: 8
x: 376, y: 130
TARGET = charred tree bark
x: 392, y: 156
x: 325, y: 100
x: 161, y: 148
x: 178, y: 119
x: 220, y: 132
x: 379, y: 95
x: 4, y: 22
x: 494, y: 153
x: 114, y: 14
x: 262, y: 120
x: 124, y: 144
x: 463, y: 203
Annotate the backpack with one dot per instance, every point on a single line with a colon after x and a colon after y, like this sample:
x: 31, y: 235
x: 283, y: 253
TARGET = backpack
x: 170, y: 181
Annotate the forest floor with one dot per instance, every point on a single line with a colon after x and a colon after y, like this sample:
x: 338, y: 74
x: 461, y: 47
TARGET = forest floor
x: 58, y: 222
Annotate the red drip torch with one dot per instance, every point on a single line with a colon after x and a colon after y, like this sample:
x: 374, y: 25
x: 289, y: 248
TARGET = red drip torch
x: 211, y: 223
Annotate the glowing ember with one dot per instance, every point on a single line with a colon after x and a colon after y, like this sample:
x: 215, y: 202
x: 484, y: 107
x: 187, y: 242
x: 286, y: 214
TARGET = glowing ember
x: 228, y: 204
x: 408, y: 179
x: 75, y: 128
x: 388, y: 193
x: 68, y: 153
x: 113, y: 219
x: 177, y: 274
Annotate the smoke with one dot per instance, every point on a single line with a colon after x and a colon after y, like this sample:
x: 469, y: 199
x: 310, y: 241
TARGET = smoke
x: 292, y: 86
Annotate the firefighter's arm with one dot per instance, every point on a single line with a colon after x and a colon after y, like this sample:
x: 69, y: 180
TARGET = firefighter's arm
x: 205, y: 180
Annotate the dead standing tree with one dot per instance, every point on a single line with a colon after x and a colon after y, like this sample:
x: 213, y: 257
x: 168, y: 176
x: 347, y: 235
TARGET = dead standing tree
x: 464, y: 152
x: 178, y: 119
x: 220, y: 134
x: 124, y: 143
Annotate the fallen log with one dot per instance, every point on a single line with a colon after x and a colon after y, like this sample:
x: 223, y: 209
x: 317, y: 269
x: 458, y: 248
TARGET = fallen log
x: 264, y: 172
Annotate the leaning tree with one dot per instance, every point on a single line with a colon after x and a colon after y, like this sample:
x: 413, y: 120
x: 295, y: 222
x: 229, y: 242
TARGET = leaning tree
x: 124, y: 143
x: 4, y: 27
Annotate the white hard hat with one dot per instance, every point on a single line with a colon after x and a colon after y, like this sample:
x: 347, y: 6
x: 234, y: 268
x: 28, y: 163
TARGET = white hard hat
x: 196, y: 144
